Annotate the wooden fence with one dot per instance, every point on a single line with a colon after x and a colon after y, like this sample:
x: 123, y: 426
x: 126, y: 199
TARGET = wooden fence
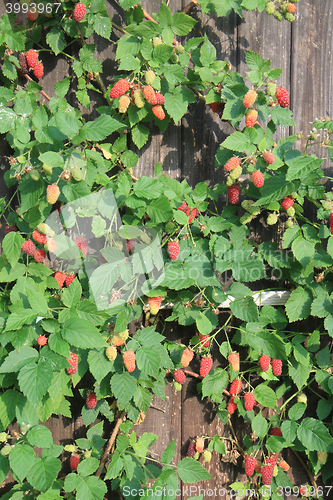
x: 304, y: 50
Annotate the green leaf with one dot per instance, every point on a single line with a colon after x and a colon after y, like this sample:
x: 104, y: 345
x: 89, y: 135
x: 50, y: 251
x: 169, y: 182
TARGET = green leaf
x: 22, y: 459
x: 44, y: 472
x: 34, y: 380
x: 303, y: 250
x: 289, y: 430
x: 214, y: 382
x: 236, y: 142
x: 298, y: 305
x: 182, y: 24
x: 4, y: 468
x: 17, y: 319
x: 253, y: 60
x: 245, y: 309
x: 299, y: 373
x: 12, y: 246
x: 176, y: 103
x: 207, y: 53
x: 259, y: 425
x: 324, y: 409
x: 104, y: 125
x: 8, y: 403
x: 123, y: 387
x: 300, y: 168
x: 61, y: 88
x: 159, y: 210
x: 91, y: 488
x: 148, y: 360
x: 140, y: 135
x: 68, y: 124
x: 72, y: 295
x: 37, y: 301
x: 282, y: 116
x: 40, y: 436
x: 276, y: 188
x: 7, y: 119
x: 99, y: 365
x: 52, y: 159
x: 191, y: 471
x: 81, y: 333
x: 102, y: 25
x: 169, y: 453
x: 16, y: 360
x: 265, y: 396
x: 56, y: 40
x: 314, y: 435
x: 88, y: 466
x: 297, y: 411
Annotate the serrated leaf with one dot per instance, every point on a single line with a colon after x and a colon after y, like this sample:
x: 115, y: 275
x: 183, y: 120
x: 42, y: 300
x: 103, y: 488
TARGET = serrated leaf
x: 40, y: 436
x: 8, y: 403
x: 314, y: 435
x: 99, y: 365
x: 22, y: 459
x: 177, y: 103
x: 259, y: 425
x: 140, y: 135
x: 91, y: 488
x: 56, y: 40
x: 17, y: 359
x: 123, y: 387
x: 298, y: 305
x: 102, y: 25
x: 72, y: 295
x: 169, y: 453
x: 237, y: 141
x: 214, y: 382
x: 191, y: 471
x: 299, y: 373
x: 80, y: 333
x: 34, y: 380
x: 303, y: 250
x: 265, y: 396
x: 182, y: 24
x: 148, y: 360
x: 159, y: 210
x: 300, y: 168
x: 44, y: 472
x: 12, y: 245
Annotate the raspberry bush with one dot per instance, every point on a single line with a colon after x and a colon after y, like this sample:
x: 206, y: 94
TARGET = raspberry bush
x: 69, y: 290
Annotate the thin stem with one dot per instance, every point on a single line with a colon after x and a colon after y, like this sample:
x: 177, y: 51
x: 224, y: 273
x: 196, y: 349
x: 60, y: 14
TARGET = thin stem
x: 41, y: 91
x: 306, y: 468
x: 110, y: 443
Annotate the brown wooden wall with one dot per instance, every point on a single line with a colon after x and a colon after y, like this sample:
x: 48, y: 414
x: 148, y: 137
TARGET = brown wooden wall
x: 186, y: 150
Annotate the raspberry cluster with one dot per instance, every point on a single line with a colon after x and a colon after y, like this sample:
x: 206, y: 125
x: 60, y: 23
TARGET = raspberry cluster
x: 282, y: 10
x: 191, y: 213
x: 30, y: 61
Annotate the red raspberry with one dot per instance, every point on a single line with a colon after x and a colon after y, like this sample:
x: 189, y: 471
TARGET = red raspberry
x: 117, y: 341
x: 60, y: 277
x: 31, y: 56
x: 39, y: 70
x: 159, y: 98
x: 199, y: 444
x: 32, y: 16
x: 232, y: 406
x: 180, y: 376
x: 173, y: 249
x: 29, y: 248
x: 251, y: 117
x: 291, y: 8
x: 250, y: 98
x: 275, y: 431
x: 232, y: 163
x: 39, y: 237
x: 258, y: 178
x: 158, y: 112
x: 303, y: 490
x: 277, y: 367
x: 91, y: 400
x: 206, y: 364
x: 42, y: 340
x: 187, y: 357
x: 233, y: 359
x: 272, y: 459
x: 284, y: 465
x: 130, y: 245
x: 10, y: 229
x: 330, y: 219
x: 120, y: 88
x: 154, y: 304
x: 79, y: 12
x: 282, y: 96
x: 250, y: 464
x: 82, y: 243
x: 50, y: 245
x: 149, y: 94
x: 123, y: 104
x: 39, y: 255
x: 194, y: 213
x: 249, y: 401
x: 183, y: 206
x: 264, y: 362
x: 129, y: 360
x: 204, y: 339
x: 73, y: 361
x: 191, y: 449
x: 69, y: 279
x: 233, y: 193
x: 235, y: 387
x: 52, y: 193
x: 287, y: 202
x: 23, y: 63
x: 74, y: 462
x: 268, y: 157
x: 267, y: 474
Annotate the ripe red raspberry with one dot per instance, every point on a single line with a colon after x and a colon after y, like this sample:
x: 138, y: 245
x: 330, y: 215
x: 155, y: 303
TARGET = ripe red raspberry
x: 193, y: 215
x: 69, y: 279
x: 42, y: 340
x: 39, y: 70
x: 31, y: 56
x: 79, y: 12
x: 111, y: 353
x: 258, y: 178
x: 287, y: 202
x: 183, y: 206
x: 277, y: 367
x: 74, y: 462
x: 23, y: 63
x: 250, y: 464
x: 191, y: 449
x: 268, y: 157
x: 251, y: 117
x: 206, y: 364
x: 233, y: 359
x: 32, y: 16
x: 291, y: 8
x: 10, y: 229
x: 330, y: 218
x: 39, y: 237
x: 154, y: 304
x: 160, y: 98
x: 267, y: 474
x: 264, y: 362
x: 123, y: 104
x: 60, y: 277
x: 233, y: 193
x: 129, y: 360
x: 232, y: 406
x: 73, y: 361
x: 82, y: 243
x: 204, y: 339
x: 250, y: 98
x: 138, y: 98
x: 130, y: 245
x: 187, y: 357
x: 158, y: 112
x: 119, y: 88
x: 149, y: 94
x: 249, y: 401
x: 233, y: 163
x: 52, y: 193
x: 282, y: 96
x: 272, y: 459
x: 275, y: 431
x: 29, y: 247
x: 91, y: 400
x: 173, y: 249
x: 180, y: 376
x: 199, y: 444
x: 39, y: 255
x: 303, y: 490
x: 235, y: 387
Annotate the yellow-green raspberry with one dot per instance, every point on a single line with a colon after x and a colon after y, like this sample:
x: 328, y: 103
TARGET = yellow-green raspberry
x: 271, y: 89
x: 71, y: 448
x: 289, y: 17
x: 236, y: 172
x: 284, y: 6
x: 179, y: 49
x: 270, y: 8
x: 77, y: 174
x: 245, y: 219
x: 123, y: 335
x: 177, y: 386
x: 87, y: 454
x: 150, y: 77
x: 291, y: 211
x: 254, y: 211
x: 322, y: 457
x: 173, y: 58
x: 230, y: 181
x: 196, y: 456
x: 302, y: 398
x: 6, y: 450
x: 207, y: 456
x: 138, y: 98
x: 34, y: 174
x: 169, y: 226
x: 278, y: 15
x: 157, y: 41
x: 47, y: 169
x: 246, y: 204
x: 3, y: 437
x: 45, y: 229
x: 272, y: 219
x: 111, y: 353
x: 275, y: 471
x: 289, y: 223
x: 124, y: 102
